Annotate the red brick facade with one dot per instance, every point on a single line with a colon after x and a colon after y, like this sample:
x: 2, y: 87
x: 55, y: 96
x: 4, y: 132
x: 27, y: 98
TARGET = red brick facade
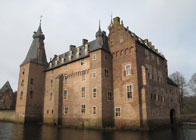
x: 123, y: 83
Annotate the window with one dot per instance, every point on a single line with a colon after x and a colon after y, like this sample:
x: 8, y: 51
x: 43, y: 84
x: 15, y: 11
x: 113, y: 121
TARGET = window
x: 106, y: 72
x: 66, y: 110
x: 94, y: 74
x: 94, y: 110
x: 31, y: 94
x: 21, y: 94
x: 83, y: 75
x: 111, y: 43
x: 83, y: 92
x: 51, y: 83
x: 83, y: 109
x: 62, y: 60
x: 22, y: 83
x: 94, y: 56
x: 117, y: 112
x: 94, y: 93
x: 129, y: 92
x: 82, y: 61
x: 52, y: 111
x: 31, y: 81
x: 147, y: 54
x: 65, y: 79
x: 47, y: 111
x: 65, y: 67
x: 149, y: 73
x: 65, y: 95
x: 121, y: 39
x: 152, y: 55
x: 109, y: 96
x: 128, y: 69
x: 23, y: 72
x: 158, y: 62
x: 51, y: 96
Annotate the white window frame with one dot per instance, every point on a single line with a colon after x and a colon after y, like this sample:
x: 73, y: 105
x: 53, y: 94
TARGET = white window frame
x: 127, y: 72
x: 131, y: 91
x: 94, y: 57
x: 116, y: 112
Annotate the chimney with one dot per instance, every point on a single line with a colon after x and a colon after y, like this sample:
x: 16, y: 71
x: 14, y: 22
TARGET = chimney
x: 72, y: 47
x: 84, y: 41
x: 146, y: 41
x: 116, y: 21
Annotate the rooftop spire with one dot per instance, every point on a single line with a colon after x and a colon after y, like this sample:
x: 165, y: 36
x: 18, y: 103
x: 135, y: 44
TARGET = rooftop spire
x: 99, y: 33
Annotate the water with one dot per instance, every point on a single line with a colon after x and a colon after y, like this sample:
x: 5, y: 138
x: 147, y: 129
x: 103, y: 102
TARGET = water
x: 11, y: 131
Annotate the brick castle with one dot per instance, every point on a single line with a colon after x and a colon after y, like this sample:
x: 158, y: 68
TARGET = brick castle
x: 119, y: 80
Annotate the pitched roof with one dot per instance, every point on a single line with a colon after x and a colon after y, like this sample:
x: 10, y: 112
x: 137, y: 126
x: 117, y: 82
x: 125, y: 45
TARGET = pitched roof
x: 32, y: 55
x: 99, y: 43
x: 6, y: 88
x: 171, y: 82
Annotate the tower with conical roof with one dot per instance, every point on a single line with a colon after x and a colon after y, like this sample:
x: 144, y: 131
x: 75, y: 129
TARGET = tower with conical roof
x: 29, y: 104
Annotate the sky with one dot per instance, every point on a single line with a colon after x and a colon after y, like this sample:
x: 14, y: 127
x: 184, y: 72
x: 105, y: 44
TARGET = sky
x: 169, y: 24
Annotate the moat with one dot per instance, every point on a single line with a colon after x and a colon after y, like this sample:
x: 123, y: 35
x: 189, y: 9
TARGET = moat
x: 11, y: 131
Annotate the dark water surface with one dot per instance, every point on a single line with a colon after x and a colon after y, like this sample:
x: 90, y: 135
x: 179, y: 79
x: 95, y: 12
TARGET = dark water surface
x: 11, y: 131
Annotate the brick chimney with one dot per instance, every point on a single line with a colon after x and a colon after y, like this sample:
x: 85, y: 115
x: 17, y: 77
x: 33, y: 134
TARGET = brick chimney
x: 84, y: 41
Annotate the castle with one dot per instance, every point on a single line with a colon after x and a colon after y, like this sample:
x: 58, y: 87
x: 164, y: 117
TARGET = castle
x: 119, y: 80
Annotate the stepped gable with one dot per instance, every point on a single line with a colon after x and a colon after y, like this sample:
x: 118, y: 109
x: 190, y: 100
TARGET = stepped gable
x: 6, y: 88
x: 33, y: 53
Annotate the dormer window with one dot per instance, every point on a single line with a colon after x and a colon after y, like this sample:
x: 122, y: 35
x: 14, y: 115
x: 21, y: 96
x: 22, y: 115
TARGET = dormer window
x: 62, y: 60
x: 86, y: 49
x: 56, y: 63
x: 57, y: 58
x: 50, y: 65
x: 78, y: 52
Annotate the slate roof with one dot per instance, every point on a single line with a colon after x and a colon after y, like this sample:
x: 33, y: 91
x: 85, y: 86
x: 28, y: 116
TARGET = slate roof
x: 99, y: 43
x: 171, y: 82
x: 6, y: 88
x: 32, y: 55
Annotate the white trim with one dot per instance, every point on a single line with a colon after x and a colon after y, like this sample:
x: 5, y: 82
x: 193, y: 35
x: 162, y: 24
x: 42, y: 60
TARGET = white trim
x: 115, y: 112
x: 126, y: 70
x: 131, y: 90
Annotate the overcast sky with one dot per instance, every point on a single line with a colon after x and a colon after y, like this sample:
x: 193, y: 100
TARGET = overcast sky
x: 169, y: 24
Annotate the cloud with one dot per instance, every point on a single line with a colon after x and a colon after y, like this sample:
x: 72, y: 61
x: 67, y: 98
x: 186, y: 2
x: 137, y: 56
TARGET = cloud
x: 170, y: 25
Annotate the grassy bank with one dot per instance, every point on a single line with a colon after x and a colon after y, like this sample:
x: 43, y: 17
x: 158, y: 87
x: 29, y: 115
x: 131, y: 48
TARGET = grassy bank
x: 188, y: 117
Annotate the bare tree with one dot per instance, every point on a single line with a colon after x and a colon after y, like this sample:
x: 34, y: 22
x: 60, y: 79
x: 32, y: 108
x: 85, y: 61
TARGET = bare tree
x: 179, y: 79
x: 192, y: 84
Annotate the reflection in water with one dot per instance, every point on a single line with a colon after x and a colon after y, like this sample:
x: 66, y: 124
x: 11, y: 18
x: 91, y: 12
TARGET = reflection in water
x: 11, y: 131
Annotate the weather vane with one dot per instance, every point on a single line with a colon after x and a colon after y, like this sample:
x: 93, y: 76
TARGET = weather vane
x: 41, y: 19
